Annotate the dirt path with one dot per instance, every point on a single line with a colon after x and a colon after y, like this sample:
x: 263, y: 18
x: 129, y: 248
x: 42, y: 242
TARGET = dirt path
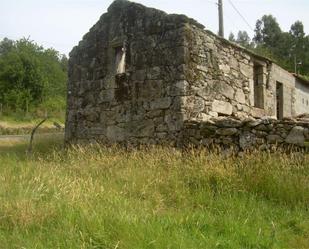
x: 22, y: 138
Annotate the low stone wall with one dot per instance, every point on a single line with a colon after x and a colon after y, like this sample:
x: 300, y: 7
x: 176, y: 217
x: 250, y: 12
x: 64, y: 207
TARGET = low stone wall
x: 248, y: 134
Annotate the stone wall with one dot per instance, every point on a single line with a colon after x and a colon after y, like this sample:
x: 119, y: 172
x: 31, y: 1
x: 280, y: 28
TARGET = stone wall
x: 220, y: 78
x: 247, y: 134
x: 141, y: 76
x: 142, y: 104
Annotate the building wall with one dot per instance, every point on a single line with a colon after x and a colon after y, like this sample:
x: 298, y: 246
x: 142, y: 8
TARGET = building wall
x: 220, y: 79
x: 301, y: 97
x: 139, y: 75
x: 141, y: 105
x: 279, y: 75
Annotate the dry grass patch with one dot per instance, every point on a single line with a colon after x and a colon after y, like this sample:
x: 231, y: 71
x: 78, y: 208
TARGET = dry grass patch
x: 96, y: 197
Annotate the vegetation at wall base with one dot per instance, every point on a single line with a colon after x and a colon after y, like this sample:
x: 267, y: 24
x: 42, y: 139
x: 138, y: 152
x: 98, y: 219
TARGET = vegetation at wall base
x: 107, y: 197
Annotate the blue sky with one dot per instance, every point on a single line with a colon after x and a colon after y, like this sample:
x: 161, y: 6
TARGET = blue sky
x: 62, y: 23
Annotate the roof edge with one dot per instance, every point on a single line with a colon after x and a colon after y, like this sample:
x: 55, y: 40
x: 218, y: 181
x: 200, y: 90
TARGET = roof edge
x: 250, y: 52
x: 301, y: 78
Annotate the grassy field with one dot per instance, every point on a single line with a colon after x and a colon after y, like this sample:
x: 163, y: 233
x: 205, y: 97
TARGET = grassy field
x: 153, y: 198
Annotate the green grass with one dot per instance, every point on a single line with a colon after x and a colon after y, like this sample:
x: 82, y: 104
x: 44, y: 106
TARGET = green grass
x: 153, y: 198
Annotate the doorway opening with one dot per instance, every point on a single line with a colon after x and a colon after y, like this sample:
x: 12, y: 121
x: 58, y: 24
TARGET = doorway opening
x: 258, y: 78
x: 279, y: 100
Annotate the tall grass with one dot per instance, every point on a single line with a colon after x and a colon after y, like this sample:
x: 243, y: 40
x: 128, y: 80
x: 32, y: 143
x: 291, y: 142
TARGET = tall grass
x: 99, y: 197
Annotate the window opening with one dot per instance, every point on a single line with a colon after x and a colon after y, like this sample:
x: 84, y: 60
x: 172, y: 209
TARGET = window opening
x: 120, y: 60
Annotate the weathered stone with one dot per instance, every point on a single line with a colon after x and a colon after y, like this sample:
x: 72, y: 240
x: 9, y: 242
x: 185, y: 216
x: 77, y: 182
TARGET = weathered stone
x: 260, y: 133
x: 207, y: 141
x: 203, y: 117
x: 222, y: 107
x: 161, y: 103
x: 107, y: 95
x: 225, y: 68
x: 143, y: 76
x: 227, y: 131
x: 143, y: 129
x: 254, y: 123
x: 240, y: 96
x: 227, y: 140
x: 115, y: 133
x: 247, y: 140
x: 195, y: 105
x: 174, y: 122
x: 161, y: 135
x: 261, y: 127
x: 274, y: 139
x: 306, y: 133
x: 257, y: 112
x: 227, y: 122
x: 213, y: 114
x: 296, y: 136
x: 149, y: 89
x: 246, y: 70
x: 226, y: 90
x: 154, y: 73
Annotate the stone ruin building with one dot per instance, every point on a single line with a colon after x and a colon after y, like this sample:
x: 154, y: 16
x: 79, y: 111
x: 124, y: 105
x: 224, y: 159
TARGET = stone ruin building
x: 141, y: 76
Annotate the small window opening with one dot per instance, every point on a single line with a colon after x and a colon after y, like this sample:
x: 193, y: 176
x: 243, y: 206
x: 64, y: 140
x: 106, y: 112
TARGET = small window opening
x: 258, y: 78
x: 120, y: 60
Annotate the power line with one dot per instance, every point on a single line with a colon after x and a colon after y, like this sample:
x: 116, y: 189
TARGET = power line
x: 231, y: 21
x: 239, y: 13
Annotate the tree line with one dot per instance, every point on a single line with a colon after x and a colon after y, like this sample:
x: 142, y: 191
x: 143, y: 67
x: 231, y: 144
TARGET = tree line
x: 31, y: 77
x: 289, y: 49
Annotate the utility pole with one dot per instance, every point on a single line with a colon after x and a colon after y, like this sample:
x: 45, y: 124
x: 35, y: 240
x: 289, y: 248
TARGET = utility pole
x: 221, y: 25
x: 295, y: 64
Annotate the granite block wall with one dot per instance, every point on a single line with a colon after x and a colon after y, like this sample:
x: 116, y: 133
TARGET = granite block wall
x: 140, y: 104
x: 141, y: 76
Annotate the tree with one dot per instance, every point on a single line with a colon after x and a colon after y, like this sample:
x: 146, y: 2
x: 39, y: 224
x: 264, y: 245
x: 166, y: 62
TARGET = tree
x: 30, y: 74
x: 232, y: 37
x: 243, y: 39
x: 272, y: 42
x: 299, y: 46
x: 297, y: 30
x: 283, y: 47
x: 267, y: 32
x: 5, y: 46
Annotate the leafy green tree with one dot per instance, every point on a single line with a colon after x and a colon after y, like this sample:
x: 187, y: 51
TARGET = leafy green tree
x: 299, y: 46
x: 30, y: 75
x: 285, y: 48
x: 267, y: 32
x: 243, y: 39
x: 232, y: 37
x: 5, y: 46
x: 297, y: 30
